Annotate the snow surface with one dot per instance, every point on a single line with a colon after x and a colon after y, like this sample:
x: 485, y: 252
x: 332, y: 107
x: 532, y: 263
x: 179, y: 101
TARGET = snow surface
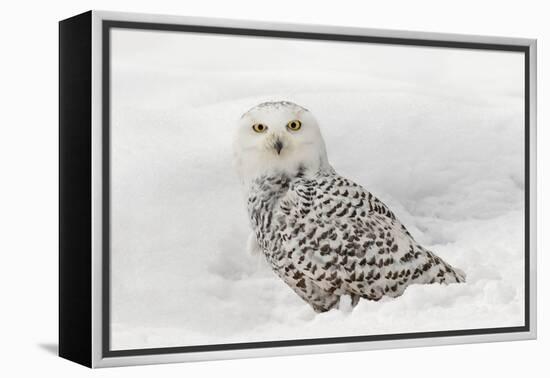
x: 437, y: 134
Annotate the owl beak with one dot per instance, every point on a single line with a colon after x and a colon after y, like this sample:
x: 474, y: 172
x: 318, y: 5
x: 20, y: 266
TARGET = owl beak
x: 278, y: 146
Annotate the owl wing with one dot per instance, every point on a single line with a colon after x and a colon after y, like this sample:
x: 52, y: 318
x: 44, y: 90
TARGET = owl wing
x: 345, y: 240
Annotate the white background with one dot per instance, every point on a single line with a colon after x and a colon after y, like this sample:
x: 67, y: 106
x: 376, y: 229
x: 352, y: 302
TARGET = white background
x: 28, y: 207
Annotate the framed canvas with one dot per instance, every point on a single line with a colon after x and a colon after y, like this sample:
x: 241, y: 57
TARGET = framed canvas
x: 236, y: 189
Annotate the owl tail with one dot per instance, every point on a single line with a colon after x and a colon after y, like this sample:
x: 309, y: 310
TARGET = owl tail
x: 432, y: 269
x: 461, y: 274
x: 446, y: 274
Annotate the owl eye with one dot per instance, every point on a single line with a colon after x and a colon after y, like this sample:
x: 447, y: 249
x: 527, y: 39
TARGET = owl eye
x: 259, y: 127
x: 294, y: 125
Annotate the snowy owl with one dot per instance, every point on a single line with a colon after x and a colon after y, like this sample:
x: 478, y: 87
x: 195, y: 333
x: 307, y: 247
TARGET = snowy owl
x: 325, y: 236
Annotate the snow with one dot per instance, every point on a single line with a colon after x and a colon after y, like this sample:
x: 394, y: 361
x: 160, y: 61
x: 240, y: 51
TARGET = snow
x: 436, y: 134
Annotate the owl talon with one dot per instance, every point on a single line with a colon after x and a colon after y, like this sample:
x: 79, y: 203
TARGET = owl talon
x: 345, y: 304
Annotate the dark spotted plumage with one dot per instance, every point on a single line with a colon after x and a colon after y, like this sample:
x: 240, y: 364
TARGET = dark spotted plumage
x: 326, y: 236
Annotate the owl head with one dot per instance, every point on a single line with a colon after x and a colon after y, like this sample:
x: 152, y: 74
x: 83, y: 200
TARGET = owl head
x: 278, y: 138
